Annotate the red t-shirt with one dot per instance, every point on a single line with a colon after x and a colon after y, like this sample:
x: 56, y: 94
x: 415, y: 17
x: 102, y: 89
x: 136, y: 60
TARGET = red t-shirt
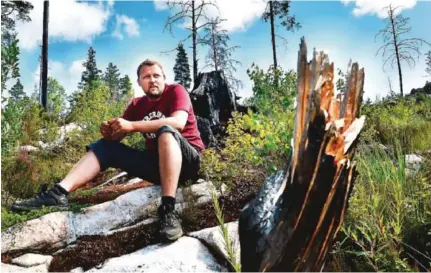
x: 173, y: 98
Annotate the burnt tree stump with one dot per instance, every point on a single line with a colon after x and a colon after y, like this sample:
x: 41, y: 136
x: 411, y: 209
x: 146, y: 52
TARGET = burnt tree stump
x: 293, y: 221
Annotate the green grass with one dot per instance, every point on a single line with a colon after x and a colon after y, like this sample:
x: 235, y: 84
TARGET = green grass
x: 389, y: 214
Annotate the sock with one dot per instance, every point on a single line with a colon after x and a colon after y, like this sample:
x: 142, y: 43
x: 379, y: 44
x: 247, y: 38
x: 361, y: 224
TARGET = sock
x: 60, y: 190
x: 169, y: 203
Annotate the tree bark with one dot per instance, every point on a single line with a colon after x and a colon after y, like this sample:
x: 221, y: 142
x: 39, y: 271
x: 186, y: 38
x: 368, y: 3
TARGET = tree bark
x: 44, y: 72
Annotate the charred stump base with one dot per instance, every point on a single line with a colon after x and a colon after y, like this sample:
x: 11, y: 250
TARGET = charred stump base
x: 293, y: 221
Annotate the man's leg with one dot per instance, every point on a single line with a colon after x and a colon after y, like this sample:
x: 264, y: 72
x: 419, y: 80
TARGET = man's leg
x: 100, y: 155
x: 176, y: 158
x: 170, y: 159
x: 85, y: 170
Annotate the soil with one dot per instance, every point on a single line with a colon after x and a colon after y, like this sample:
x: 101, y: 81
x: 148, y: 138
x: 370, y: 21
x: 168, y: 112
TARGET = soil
x: 90, y: 251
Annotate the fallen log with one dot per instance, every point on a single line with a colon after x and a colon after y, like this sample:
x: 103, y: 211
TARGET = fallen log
x: 293, y: 221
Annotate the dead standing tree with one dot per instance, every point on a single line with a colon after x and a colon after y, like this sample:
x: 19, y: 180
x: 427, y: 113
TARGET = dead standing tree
x: 280, y: 10
x: 291, y: 224
x: 195, y: 11
x: 396, y: 49
x: 219, y: 55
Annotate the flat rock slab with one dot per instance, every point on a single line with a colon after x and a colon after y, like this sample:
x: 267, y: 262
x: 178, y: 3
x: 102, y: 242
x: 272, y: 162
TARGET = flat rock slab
x: 214, y: 240
x: 56, y: 230
x: 185, y: 255
x: 8, y: 268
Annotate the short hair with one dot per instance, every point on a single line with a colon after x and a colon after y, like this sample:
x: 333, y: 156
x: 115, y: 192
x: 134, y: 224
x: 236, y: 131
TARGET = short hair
x: 149, y: 62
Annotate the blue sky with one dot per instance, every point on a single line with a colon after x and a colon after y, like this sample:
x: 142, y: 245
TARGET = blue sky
x: 128, y: 32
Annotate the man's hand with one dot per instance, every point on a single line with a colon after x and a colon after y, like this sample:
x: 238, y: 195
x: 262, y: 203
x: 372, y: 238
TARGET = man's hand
x: 120, y: 125
x: 106, y: 130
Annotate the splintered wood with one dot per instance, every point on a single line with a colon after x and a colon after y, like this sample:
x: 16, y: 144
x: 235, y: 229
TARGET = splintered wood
x: 318, y: 180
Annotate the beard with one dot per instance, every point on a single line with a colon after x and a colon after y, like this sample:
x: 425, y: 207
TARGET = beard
x: 154, y: 94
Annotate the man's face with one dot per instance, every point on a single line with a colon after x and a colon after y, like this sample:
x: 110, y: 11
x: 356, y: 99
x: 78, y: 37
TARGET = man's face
x: 152, y: 81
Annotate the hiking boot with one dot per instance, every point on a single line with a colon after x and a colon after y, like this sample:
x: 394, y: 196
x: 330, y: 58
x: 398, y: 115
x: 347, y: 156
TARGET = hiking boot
x: 51, y: 198
x: 170, y: 224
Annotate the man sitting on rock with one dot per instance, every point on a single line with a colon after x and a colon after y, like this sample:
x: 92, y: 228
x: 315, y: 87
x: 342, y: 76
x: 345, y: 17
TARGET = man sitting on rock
x: 173, y: 147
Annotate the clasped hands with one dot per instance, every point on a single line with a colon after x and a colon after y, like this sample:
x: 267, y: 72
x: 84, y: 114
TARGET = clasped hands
x: 114, y: 127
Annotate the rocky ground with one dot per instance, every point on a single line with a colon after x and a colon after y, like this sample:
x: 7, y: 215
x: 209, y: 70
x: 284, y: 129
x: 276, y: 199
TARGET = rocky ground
x: 121, y: 227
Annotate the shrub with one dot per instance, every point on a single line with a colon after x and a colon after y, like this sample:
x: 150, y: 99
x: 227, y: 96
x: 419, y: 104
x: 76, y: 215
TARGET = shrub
x: 256, y: 140
x: 403, y: 120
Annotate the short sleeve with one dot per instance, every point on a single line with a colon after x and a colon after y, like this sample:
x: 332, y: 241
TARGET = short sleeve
x: 181, y: 99
x: 129, y: 114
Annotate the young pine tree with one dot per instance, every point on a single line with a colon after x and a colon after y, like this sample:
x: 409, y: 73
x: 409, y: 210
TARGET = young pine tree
x: 91, y: 73
x: 182, y: 67
x: 125, y: 86
x: 17, y: 91
x: 112, y: 80
x: 428, y: 63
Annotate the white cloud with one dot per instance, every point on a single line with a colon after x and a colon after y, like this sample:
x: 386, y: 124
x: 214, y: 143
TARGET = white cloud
x: 363, y: 7
x: 127, y: 24
x: 67, y: 75
x: 76, y: 68
x: 68, y: 20
x: 160, y: 5
x: 251, y: 10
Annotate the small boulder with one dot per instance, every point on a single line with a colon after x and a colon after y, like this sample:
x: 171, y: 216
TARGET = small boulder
x: 413, y: 161
x: 213, y: 238
x: 31, y: 259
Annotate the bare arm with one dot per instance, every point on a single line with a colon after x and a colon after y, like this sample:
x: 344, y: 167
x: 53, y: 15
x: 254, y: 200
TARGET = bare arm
x: 177, y: 120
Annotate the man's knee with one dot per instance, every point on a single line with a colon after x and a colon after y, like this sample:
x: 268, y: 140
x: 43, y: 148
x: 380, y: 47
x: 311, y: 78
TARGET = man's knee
x: 105, y: 151
x: 165, y: 133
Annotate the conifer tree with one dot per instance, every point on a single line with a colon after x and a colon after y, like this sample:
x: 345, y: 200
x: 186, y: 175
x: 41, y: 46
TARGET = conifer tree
x: 91, y: 73
x: 182, y: 67
x: 112, y: 80
x: 428, y: 63
x: 125, y: 86
x: 280, y: 10
x: 17, y: 91
x: 56, y: 97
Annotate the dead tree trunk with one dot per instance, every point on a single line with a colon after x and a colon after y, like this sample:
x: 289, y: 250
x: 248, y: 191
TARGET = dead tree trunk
x: 293, y: 221
x: 271, y: 16
x: 44, y: 73
x: 194, y: 43
x: 397, y: 53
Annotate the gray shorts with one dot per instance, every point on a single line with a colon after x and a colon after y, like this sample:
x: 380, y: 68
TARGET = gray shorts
x: 143, y: 163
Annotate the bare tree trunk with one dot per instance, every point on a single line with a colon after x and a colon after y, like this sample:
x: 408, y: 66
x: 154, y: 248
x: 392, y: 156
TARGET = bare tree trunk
x: 214, y: 48
x: 195, y: 61
x: 274, y: 53
x: 391, y: 14
x: 44, y: 72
